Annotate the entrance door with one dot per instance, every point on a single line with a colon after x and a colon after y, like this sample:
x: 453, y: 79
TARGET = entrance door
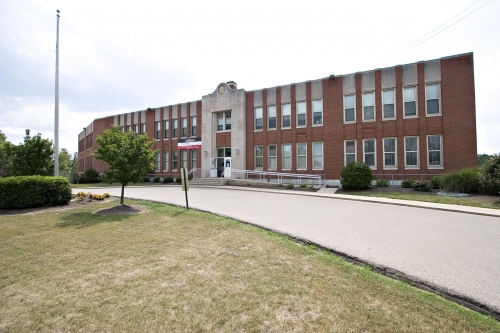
x: 223, y: 154
x: 227, y: 167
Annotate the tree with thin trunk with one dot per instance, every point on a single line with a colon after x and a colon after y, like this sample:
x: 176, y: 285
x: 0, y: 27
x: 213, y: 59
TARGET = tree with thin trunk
x: 33, y: 157
x: 129, y: 156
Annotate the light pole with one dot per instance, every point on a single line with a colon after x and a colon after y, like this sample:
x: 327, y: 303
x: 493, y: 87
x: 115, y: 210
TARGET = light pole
x: 56, y: 121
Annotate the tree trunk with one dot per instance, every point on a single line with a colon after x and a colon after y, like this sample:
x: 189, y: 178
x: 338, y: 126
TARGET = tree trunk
x: 123, y: 192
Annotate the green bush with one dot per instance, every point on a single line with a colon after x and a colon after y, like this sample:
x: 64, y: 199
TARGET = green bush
x: 146, y: 179
x: 436, y: 182
x: 421, y: 186
x: 303, y: 185
x: 167, y: 180
x: 356, y: 176
x: 382, y: 183
x: 310, y: 187
x: 156, y: 179
x: 34, y: 191
x: 463, y: 181
x: 279, y: 185
x: 407, y: 183
x: 178, y: 180
x: 90, y: 176
x: 289, y: 186
x: 489, y: 175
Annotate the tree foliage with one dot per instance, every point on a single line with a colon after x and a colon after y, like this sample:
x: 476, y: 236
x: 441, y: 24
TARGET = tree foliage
x: 481, y: 158
x: 489, y: 175
x: 35, y: 156
x: 129, y: 156
x: 65, y: 160
x: 4, y: 158
x: 356, y: 176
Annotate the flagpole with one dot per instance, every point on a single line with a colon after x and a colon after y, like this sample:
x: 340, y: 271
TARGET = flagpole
x: 56, y: 121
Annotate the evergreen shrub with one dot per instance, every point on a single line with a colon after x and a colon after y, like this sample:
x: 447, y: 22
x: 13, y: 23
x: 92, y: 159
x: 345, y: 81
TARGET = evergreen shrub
x: 463, y: 181
x: 407, y: 183
x: 489, y: 175
x: 356, y: 176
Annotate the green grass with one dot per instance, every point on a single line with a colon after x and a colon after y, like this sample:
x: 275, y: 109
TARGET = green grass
x: 169, y: 269
x: 119, y: 185
x: 431, y: 197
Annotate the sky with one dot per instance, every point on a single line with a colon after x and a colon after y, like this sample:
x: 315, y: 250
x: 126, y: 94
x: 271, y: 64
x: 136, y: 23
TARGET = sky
x: 125, y: 56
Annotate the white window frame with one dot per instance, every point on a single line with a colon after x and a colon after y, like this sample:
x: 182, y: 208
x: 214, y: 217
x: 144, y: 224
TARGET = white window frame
x: 227, y: 116
x: 393, y: 104
x: 184, y: 158
x: 136, y: 129
x: 297, y: 114
x: 283, y: 115
x: 441, y: 165
x: 314, y: 155
x: 272, y: 157
x: 175, y: 127
x: 184, y: 127
x: 416, y: 102
x: 301, y: 157
x: 288, y: 157
x: 395, y: 152
x: 256, y: 111
x: 194, y: 157
x: 157, y: 130
x: 365, y: 106
x: 165, y: 161
x: 158, y: 161
x: 355, y: 151
x: 261, y: 157
x: 439, y: 100
x: 374, y: 166
x: 175, y: 160
x: 166, y: 129
x: 269, y: 111
x: 143, y: 128
x: 193, y: 126
x: 315, y: 110
x: 344, y: 113
x: 417, y: 151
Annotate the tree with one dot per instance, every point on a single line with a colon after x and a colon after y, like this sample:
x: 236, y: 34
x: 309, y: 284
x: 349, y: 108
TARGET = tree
x: 31, y: 158
x: 489, y: 175
x: 481, y: 158
x: 4, y: 159
x: 129, y: 156
x: 64, y: 160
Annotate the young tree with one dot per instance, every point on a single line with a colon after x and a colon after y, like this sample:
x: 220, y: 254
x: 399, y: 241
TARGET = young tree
x: 129, y: 157
x: 31, y: 158
x: 65, y: 160
x: 4, y: 159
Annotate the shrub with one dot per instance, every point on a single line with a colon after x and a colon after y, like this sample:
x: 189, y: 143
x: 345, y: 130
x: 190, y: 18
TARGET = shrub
x: 422, y: 186
x: 489, y: 175
x: 178, y: 179
x: 303, y: 185
x: 167, y: 180
x: 88, y: 177
x: 407, y: 183
x: 279, y: 185
x: 311, y: 188
x: 289, y: 186
x: 463, y: 181
x: 247, y: 184
x: 146, y: 179
x: 98, y: 196
x: 81, y: 194
x: 382, y: 183
x: 106, y: 194
x: 436, y: 182
x: 156, y: 179
x: 356, y: 176
x: 34, y: 191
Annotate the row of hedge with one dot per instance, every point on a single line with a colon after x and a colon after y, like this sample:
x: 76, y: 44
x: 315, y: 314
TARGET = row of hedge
x: 34, y: 191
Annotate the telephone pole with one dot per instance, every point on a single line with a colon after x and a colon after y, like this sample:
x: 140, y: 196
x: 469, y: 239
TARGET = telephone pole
x: 56, y: 122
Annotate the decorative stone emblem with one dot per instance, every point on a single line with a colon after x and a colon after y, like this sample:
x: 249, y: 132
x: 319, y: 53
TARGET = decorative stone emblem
x: 222, y: 89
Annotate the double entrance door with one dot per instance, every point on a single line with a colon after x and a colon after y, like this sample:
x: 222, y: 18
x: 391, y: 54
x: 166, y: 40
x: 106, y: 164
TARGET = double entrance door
x: 220, y: 166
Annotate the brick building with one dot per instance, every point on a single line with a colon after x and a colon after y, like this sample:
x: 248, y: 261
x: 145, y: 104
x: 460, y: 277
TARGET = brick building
x: 416, y: 119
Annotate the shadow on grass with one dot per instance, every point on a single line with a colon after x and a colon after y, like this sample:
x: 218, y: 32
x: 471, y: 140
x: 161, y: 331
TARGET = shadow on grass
x: 85, y: 220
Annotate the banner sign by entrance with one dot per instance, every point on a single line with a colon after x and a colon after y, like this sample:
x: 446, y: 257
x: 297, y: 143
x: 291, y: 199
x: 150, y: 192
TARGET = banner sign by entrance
x: 192, y: 143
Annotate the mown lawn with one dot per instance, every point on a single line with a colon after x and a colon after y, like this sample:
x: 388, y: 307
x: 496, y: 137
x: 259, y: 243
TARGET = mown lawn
x: 169, y: 269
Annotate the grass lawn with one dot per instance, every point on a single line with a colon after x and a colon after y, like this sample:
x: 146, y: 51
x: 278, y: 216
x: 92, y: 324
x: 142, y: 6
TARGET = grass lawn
x: 482, y: 202
x: 119, y: 185
x: 169, y: 269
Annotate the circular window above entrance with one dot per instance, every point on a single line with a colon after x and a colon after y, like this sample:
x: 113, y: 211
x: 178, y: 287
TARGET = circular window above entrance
x: 222, y: 89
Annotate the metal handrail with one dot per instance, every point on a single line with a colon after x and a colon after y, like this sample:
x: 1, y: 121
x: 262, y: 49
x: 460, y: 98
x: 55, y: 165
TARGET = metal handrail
x: 403, y: 176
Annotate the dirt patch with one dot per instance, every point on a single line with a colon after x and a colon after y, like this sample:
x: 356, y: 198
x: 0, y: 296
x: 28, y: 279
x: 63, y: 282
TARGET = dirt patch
x: 121, y: 209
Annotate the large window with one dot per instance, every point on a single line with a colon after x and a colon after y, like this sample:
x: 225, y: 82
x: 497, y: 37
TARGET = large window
x: 410, y: 101
x: 224, y: 121
x: 301, y: 156
x: 388, y: 103
x: 390, y: 156
x: 349, y: 108
x: 350, y: 151
x: 369, y: 106
x: 136, y: 129
x: 166, y: 127
x: 143, y: 128
x: 157, y: 130
x: 220, y: 121
x: 271, y: 157
x: 165, y: 160
x: 193, y: 159
x: 369, y: 154
x: 411, y: 152
x: 317, y: 155
x: 258, y: 157
x: 174, y: 160
x: 193, y: 126
x: 286, y: 156
x: 432, y: 99
x: 184, y: 158
x: 317, y: 106
x: 301, y: 113
x: 158, y: 161
x: 227, y: 117
x: 184, y: 127
x: 434, y: 151
x: 175, y: 125
x: 286, y: 112
x: 258, y: 118
x: 271, y: 117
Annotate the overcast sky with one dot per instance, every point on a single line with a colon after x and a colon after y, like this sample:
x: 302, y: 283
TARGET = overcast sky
x: 123, y: 56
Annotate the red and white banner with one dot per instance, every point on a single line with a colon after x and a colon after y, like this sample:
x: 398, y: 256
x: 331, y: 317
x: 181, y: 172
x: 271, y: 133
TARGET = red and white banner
x: 194, y: 143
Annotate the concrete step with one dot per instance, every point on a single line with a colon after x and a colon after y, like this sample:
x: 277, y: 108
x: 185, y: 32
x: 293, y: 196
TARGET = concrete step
x: 208, y: 181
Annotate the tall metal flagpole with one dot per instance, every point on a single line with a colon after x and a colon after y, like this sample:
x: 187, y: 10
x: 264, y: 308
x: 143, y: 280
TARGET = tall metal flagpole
x: 56, y: 123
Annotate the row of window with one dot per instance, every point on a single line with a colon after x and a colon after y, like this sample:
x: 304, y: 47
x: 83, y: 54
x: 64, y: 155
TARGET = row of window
x: 410, y: 109
x: 173, y: 164
x: 166, y: 128
x: 389, y: 153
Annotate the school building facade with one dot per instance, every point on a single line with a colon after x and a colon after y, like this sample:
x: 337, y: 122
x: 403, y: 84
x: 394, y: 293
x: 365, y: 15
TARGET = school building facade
x: 407, y: 121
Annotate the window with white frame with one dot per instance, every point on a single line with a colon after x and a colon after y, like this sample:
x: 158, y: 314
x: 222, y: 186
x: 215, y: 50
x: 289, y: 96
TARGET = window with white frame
x: 411, y: 152
x: 193, y: 126
x: 157, y: 130
x: 317, y: 111
x: 166, y: 125
x: 174, y: 160
x: 388, y: 103
x: 369, y: 153
x: 165, y: 160
x: 350, y: 151
x: 193, y: 158
x: 432, y: 99
x: 271, y: 157
x: 286, y: 156
x: 317, y: 148
x: 122, y: 129
x: 410, y: 101
x: 435, y: 151
x: 184, y: 158
x: 227, y: 120
x: 286, y: 114
x: 271, y: 117
x: 369, y: 106
x: 129, y: 128
x: 220, y: 121
x: 136, y: 129
x: 258, y: 157
x: 258, y: 118
x: 390, y: 156
x: 301, y: 113
x: 184, y: 127
x: 143, y: 128
x: 301, y: 156
x: 349, y: 108
x: 175, y: 125
x: 157, y: 162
